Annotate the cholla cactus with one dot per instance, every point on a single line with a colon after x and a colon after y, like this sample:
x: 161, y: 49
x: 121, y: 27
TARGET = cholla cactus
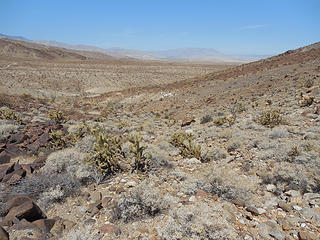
x: 57, y: 139
x: 270, y: 118
x: 140, y: 160
x: 9, y: 114
x: 57, y: 115
x: 107, y: 154
x: 184, y: 141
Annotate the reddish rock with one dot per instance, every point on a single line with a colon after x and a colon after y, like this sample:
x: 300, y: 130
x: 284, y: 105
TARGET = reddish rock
x: 28, y: 168
x: 44, y: 225
x: 187, y: 122
x: 109, y: 229
x: 44, y: 140
x: 17, y: 201
x: 15, y: 175
x: 6, y: 169
x: 23, y: 224
x: 18, y: 138
x: 28, y: 210
x: 106, y: 201
x: 4, y: 235
x: 5, y: 157
x: 15, y: 178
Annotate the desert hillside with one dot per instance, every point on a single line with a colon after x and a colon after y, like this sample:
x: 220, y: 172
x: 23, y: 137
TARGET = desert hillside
x: 94, y: 147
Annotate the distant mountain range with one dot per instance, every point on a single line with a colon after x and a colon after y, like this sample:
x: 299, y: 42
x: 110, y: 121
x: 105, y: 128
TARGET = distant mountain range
x: 181, y: 54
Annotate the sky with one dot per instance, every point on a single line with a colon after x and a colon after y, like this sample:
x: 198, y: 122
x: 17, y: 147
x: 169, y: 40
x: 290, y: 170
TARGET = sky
x: 229, y: 26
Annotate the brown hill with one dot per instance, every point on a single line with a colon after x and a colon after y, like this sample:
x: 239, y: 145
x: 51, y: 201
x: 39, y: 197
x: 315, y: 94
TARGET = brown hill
x: 10, y: 48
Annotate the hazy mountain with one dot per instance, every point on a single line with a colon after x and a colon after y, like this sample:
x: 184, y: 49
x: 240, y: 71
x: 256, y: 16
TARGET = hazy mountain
x: 183, y: 54
x: 13, y: 37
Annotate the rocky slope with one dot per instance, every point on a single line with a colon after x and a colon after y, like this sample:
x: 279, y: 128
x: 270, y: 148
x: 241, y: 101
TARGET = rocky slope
x: 231, y: 155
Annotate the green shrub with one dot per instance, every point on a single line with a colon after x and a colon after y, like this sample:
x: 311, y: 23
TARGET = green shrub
x: 219, y: 121
x: 9, y: 114
x: 107, y: 154
x: 57, y: 139
x: 205, y: 119
x: 270, y: 118
x: 184, y: 141
x: 140, y: 161
x: 57, y: 116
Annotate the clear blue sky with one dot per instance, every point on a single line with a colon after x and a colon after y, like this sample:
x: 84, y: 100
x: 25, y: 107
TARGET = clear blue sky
x: 230, y: 26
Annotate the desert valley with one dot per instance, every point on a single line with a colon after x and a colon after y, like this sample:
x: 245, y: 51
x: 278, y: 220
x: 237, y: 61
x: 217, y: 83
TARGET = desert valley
x: 94, y: 146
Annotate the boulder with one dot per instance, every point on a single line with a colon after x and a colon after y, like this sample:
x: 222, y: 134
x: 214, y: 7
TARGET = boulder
x: 5, y: 157
x: 44, y: 225
x: 27, y: 210
x: 4, y: 235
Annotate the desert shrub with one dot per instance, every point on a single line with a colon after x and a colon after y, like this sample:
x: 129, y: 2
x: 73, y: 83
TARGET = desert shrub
x: 184, y: 141
x: 8, y: 114
x: 107, y: 154
x: 140, y: 160
x: 122, y: 124
x: 72, y: 162
x: 270, y: 118
x: 57, y: 116
x: 278, y: 133
x: 5, y: 101
x: 198, y: 221
x: 219, y: 121
x: 144, y: 200
x: 57, y: 139
x: 158, y: 158
x: 47, y: 188
x: 233, y: 145
x: 6, y: 130
x: 306, y: 101
x: 205, y: 119
x: 82, y: 233
x: 308, y: 83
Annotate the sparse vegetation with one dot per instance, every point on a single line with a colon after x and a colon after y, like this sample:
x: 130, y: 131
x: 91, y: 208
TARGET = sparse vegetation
x: 57, y: 116
x: 185, y: 142
x: 8, y: 114
x: 271, y: 118
x: 107, y: 154
x: 205, y: 119
x: 140, y: 160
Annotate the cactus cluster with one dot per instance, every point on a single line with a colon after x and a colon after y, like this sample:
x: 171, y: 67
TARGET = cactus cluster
x: 57, y: 116
x: 270, y: 118
x: 9, y: 114
x: 107, y: 154
x: 140, y: 158
x: 184, y: 141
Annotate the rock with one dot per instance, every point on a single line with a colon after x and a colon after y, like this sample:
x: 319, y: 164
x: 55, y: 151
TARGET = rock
x: 28, y: 210
x: 6, y: 169
x: 109, y: 229
x: 276, y: 234
x: 187, y: 122
x: 130, y: 184
x: 17, y: 201
x: 4, y: 235
x: 292, y: 193
x: 311, y: 196
x: 191, y: 161
x: 4, y: 157
x: 96, y: 196
x: 284, y: 206
x: 304, y: 235
x: 18, y: 138
x: 202, y: 194
x: 239, y: 202
x: 271, y: 188
x: 22, y: 225
x: 44, y: 225
x: 105, y: 201
x: 253, y: 210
